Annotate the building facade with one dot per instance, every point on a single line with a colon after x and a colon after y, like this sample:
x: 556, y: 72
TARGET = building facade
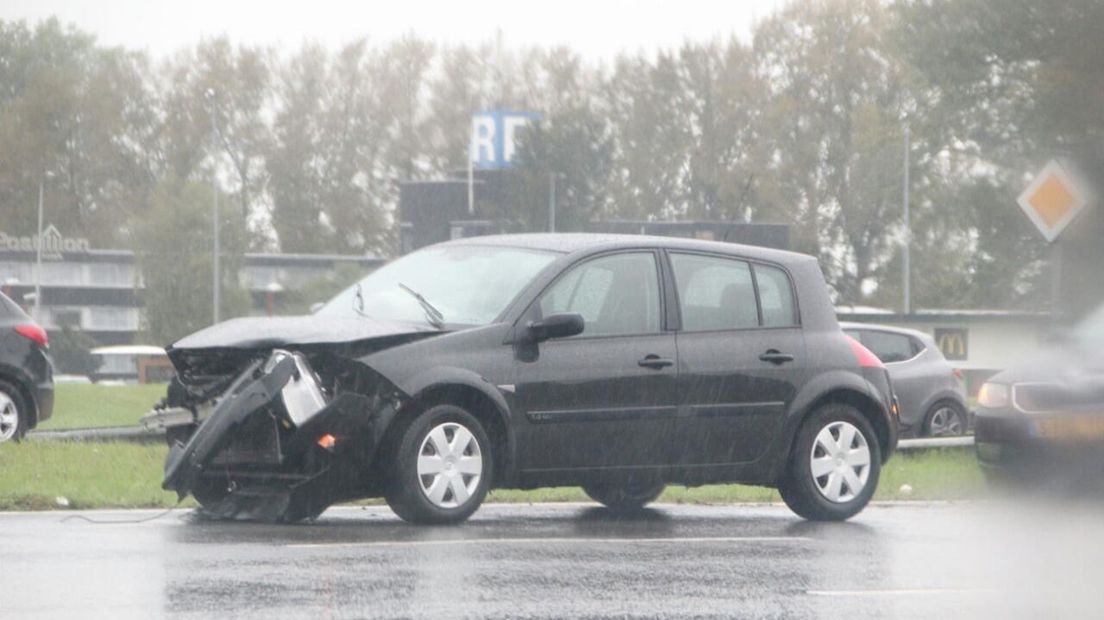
x: 99, y: 291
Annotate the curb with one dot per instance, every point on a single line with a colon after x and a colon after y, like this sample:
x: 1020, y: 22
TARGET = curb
x: 134, y: 434
x: 935, y: 443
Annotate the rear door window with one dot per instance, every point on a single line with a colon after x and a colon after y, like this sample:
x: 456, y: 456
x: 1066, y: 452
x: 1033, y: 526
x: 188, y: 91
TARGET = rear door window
x: 717, y: 293
x: 714, y: 293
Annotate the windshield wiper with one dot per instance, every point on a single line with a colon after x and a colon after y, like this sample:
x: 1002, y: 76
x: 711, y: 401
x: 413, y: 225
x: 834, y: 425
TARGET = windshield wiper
x: 432, y: 314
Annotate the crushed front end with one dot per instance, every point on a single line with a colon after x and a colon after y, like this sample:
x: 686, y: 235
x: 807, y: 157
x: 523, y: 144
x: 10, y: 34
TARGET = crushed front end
x: 278, y: 440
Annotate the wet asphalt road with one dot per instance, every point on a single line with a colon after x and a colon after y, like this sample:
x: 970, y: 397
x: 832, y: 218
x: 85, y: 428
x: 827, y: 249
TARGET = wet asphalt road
x: 916, y: 560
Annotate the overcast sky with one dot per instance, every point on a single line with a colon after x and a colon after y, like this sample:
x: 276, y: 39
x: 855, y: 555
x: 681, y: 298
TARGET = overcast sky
x: 596, y: 28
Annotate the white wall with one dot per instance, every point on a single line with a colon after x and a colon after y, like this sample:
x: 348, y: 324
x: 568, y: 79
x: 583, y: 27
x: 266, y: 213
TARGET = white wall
x: 993, y: 343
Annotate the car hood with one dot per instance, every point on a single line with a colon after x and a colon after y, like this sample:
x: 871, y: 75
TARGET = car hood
x: 1069, y: 375
x: 271, y: 332
x: 1061, y: 363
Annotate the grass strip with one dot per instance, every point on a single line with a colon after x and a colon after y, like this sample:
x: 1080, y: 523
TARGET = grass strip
x: 78, y: 405
x: 124, y: 475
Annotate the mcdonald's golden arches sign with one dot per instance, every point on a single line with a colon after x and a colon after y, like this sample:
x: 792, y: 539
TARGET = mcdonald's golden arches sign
x: 954, y: 342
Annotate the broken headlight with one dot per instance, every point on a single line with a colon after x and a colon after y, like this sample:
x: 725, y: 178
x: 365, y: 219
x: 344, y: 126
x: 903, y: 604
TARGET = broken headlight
x: 302, y: 396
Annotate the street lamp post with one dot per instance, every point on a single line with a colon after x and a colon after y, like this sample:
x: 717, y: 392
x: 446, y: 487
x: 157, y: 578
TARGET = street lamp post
x: 551, y: 202
x: 38, y: 256
x: 216, y: 279
x: 906, y: 272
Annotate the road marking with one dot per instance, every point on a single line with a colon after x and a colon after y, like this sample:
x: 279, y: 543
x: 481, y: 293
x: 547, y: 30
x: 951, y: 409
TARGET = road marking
x: 551, y: 540
x: 897, y: 592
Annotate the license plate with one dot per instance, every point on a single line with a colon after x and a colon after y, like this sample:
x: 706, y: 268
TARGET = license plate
x: 1073, y: 428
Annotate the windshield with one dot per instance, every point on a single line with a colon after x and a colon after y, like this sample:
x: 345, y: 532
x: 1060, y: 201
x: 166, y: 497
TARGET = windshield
x: 468, y: 285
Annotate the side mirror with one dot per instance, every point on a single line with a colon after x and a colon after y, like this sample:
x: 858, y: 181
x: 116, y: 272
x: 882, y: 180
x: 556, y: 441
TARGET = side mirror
x: 559, y: 325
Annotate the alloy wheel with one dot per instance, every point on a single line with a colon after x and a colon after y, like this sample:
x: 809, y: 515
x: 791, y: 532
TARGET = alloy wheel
x: 840, y: 462
x: 945, y: 422
x: 450, y: 465
x: 9, y: 418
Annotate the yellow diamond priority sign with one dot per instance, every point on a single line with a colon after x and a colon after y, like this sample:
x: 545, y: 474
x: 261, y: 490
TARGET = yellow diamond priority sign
x: 1053, y: 199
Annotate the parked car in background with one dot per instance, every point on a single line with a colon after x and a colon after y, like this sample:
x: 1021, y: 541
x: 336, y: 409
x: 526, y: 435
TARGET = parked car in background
x: 1041, y: 421
x: 616, y: 363
x: 26, y: 373
x: 930, y: 391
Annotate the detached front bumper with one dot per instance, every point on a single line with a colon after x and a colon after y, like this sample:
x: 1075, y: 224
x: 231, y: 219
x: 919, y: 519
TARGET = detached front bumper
x: 273, y: 433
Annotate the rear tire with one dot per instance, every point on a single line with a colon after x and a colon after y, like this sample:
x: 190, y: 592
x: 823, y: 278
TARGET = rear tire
x: 834, y: 467
x: 13, y: 414
x: 945, y: 419
x: 442, y: 467
x: 625, y: 498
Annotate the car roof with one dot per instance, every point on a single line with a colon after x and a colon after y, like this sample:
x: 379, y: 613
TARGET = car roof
x: 904, y: 331
x: 568, y: 243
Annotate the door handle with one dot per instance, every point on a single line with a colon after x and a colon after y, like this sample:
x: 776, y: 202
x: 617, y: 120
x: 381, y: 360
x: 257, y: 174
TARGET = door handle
x: 655, y: 362
x: 775, y: 356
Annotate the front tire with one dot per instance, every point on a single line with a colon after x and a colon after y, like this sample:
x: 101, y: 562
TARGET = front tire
x: 13, y: 414
x: 834, y: 467
x: 625, y: 499
x: 442, y: 469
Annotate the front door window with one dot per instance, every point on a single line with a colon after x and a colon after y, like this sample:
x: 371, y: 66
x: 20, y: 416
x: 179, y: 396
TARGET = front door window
x: 616, y: 295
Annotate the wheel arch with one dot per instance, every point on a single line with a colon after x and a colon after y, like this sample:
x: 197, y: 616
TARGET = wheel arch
x: 867, y: 406
x: 12, y: 377
x: 465, y: 389
x: 950, y: 398
x: 842, y: 388
x: 939, y: 396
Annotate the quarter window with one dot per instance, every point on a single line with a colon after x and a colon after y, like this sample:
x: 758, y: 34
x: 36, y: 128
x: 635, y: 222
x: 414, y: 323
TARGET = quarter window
x: 616, y: 295
x: 775, y: 296
x: 888, y: 347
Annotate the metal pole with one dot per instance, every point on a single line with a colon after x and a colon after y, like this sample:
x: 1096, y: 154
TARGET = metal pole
x: 905, y: 267
x: 38, y: 257
x: 551, y: 202
x: 217, y: 280
x: 471, y: 169
x: 471, y: 180
x: 1057, y: 308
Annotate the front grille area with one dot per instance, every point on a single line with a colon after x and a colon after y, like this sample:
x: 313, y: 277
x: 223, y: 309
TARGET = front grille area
x: 1053, y: 397
x: 257, y: 442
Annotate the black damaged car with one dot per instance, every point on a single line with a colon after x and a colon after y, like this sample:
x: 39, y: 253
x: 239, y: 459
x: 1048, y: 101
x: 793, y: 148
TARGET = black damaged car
x: 616, y: 363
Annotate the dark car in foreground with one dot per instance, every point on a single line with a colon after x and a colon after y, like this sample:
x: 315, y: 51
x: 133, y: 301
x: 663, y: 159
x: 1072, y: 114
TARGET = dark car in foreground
x: 616, y: 363
x: 26, y: 373
x: 930, y: 391
x: 1042, y: 420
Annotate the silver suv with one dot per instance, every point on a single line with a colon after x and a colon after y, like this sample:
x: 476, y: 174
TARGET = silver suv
x: 930, y: 392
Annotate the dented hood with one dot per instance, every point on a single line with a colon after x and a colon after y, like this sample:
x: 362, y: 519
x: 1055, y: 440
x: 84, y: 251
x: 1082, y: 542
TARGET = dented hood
x: 271, y: 332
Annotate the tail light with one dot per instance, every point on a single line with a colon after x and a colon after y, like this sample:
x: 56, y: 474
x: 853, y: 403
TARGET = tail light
x: 34, y: 333
x: 958, y: 374
x: 863, y: 355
